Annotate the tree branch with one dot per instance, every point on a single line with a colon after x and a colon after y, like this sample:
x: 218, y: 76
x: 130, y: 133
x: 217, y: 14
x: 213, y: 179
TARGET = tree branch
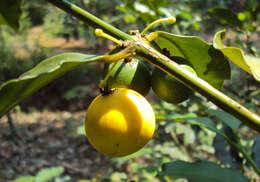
x: 90, y: 19
x: 144, y: 51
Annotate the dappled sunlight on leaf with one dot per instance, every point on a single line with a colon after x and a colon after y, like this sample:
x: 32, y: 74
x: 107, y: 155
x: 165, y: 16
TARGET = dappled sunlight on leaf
x: 248, y: 63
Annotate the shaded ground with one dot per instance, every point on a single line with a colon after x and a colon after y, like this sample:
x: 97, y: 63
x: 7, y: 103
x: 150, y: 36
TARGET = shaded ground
x: 49, y: 139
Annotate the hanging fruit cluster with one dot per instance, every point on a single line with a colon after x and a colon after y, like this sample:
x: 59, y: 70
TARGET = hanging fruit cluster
x: 120, y: 121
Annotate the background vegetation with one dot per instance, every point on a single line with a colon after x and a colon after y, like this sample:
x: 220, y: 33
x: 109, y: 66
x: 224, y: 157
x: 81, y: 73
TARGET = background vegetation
x: 49, y: 123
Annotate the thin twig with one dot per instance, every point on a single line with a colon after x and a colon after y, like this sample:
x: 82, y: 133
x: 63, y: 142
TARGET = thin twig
x: 13, y: 130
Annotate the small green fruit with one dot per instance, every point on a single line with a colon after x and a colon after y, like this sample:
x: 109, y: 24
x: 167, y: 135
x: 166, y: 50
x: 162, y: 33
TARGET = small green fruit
x: 168, y: 88
x: 132, y: 74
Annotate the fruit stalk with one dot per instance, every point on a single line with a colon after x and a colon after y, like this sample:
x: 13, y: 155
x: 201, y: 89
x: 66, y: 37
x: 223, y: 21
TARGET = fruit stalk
x: 103, y: 84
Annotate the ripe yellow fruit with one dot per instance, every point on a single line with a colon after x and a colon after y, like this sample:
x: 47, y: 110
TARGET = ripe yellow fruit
x: 119, y: 123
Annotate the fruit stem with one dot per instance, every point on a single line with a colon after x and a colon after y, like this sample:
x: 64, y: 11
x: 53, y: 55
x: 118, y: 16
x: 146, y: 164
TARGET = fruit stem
x: 170, y: 20
x: 99, y: 32
x: 103, y: 83
x: 151, y: 36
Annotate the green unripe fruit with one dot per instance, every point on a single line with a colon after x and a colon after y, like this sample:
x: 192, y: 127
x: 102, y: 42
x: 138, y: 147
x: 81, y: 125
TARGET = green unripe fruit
x: 168, y: 88
x: 132, y: 74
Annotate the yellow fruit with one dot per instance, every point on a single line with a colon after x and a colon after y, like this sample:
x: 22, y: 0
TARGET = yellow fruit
x: 119, y: 123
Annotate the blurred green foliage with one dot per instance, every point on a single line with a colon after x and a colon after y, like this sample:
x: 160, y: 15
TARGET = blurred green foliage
x: 44, y: 175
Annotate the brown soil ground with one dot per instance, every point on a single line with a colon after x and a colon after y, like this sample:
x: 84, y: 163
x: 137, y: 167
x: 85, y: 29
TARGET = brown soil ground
x: 48, y: 139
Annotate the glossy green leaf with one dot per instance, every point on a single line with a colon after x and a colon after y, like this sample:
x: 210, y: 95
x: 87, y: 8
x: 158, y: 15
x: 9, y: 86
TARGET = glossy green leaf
x: 201, y: 171
x: 10, y: 13
x: 24, y: 179
x: 47, y: 174
x: 225, y: 16
x: 209, y: 63
x: 248, y: 63
x: 226, y: 118
x: 16, y: 90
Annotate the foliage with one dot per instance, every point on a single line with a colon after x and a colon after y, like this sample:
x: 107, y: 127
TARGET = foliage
x: 46, y: 16
x: 144, y: 12
x: 7, y: 16
x: 192, y: 49
x: 17, y: 55
x: 193, y: 172
x: 181, y: 127
x: 246, y: 62
x: 39, y: 76
x: 43, y: 175
x: 37, y: 40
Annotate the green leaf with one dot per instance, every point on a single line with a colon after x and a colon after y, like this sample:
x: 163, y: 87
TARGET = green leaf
x: 226, y: 118
x: 205, y: 122
x: 226, y: 16
x: 209, y: 63
x: 224, y: 152
x: 81, y: 130
x: 201, y: 171
x: 248, y: 63
x: 202, y: 122
x: 47, y: 174
x: 63, y: 179
x: 10, y: 13
x: 256, y: 151
x: 24, y: 179
x: 129, y: 18
x: 16, y: 90
x: 175, y: 116
x: 118, y: 176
